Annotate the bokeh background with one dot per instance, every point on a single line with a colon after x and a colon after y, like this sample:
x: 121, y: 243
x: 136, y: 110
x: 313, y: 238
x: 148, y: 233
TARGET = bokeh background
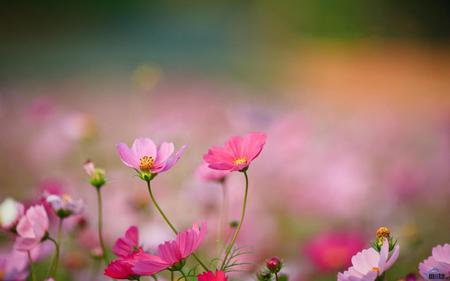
x: 353, y: 95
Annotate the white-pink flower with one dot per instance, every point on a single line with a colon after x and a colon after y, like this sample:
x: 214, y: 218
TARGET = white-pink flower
x: 368, y: 264
x: 65, y: 205
x: 437, y: 263
x: 31, y: 228
x: 10, y: 213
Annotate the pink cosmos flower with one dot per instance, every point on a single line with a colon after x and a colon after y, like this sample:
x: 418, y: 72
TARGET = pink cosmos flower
x: 64, y: 205
x: 437, y: 263
x: 369, y: 264
x: 218, y: 275
x: 205, y: 173
x: 32, y: 228
x: 174, y: 251
x: 10, y: 213
x: 13, y: 266
x: 144, y: 156
x: 129, y: 252
x: 237, y: 153
x: 332, y: 251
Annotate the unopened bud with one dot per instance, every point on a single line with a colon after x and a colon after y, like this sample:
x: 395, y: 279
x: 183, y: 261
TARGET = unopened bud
x: 274, y: 264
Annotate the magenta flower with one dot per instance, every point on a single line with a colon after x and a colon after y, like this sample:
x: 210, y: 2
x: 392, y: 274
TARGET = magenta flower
x: 32, y: 228
x: 369, y: 264
x: 13, y: 266
x: 146, y: 158
x: 207, y: 174
x: 332, y: 251
x: 437, y: 263
x: 237, y: 153
x: 173, y: 252
x: 129, y: 252
x: 218, y: 275
x: 127, y: 245
x: 10, y: 213
x: 64, y: 206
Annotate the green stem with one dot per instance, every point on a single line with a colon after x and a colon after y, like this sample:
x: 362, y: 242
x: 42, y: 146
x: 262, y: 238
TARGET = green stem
x: 276, y: 276
x: 100, y: 226
x: 30, y: 260
x: 54, y: 266
x: 236, y: 233
x: 184, y: 275
x: 169, y: 223
x: 171, y: 275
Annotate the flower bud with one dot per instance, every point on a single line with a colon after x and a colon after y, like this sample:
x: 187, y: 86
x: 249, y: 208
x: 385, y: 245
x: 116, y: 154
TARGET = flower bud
x: 96, y: 175
x: 381, y: 234
x: 274, y: 264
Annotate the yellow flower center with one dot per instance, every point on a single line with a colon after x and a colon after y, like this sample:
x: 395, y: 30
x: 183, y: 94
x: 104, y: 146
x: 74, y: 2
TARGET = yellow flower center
x: 376, y: 269
x: 383, y: 232
x: 240, y: 161
x: 66, y: 198
x: 146, y: 163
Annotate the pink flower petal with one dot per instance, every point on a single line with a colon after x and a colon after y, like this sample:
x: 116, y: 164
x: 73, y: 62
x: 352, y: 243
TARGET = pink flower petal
x: 128, y: 157
x: 144, y: 147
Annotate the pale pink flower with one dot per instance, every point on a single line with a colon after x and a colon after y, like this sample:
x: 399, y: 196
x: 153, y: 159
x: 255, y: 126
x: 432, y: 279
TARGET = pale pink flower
x: 237, y: 153
x: 65, y: 206
x: 368, y: 264
x: 10, y: 213
x: 144, y: 156
x: 437, y: 263
x: 173, y: 251
x: 207, y: 174
x: 32, y: 228
x: 13, y: 266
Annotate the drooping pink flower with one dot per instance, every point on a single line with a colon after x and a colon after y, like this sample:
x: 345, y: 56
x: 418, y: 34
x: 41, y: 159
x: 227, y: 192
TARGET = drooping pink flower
x: 10, y: 213
x: 32, y: 228
x: 332, y: 251
x: 218, y: 275
x: 174, y: 251
x: 128, y: 251
x: 237, y: 153
x: 65, y: 206
x: 144, y: 156
x: 368, y: 264
x: 437, y: 263
x: 207, y: 174
x: 128, y: 244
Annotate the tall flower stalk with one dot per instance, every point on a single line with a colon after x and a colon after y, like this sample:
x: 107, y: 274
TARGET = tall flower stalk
x: 238, y: 229
x: 100, y: 226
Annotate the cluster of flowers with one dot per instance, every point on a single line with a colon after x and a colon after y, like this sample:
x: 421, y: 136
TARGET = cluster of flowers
x: 30, y: 226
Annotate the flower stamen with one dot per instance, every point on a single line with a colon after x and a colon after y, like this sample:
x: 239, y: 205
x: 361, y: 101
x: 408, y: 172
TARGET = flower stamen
x: 376, y: 269
x: 383, y: 232
x: 240, y: 161
x: 146, y: 163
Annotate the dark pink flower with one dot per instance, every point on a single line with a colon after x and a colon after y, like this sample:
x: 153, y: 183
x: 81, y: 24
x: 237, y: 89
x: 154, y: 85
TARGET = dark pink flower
x: 31, y: 228
x: 218, y: 275
x: 331, y: 251
x: 237, y: 153
x: 173, y: 251
x: 145, y: 157
x: 127, y: 245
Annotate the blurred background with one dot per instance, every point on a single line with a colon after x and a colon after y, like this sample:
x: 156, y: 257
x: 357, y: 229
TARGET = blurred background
x: 353, y: 95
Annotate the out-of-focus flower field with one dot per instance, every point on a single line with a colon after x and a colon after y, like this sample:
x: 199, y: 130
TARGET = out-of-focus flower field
x: 357, y: 137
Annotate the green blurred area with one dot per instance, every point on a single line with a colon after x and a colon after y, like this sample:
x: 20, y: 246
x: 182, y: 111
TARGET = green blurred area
x: 52, y: 39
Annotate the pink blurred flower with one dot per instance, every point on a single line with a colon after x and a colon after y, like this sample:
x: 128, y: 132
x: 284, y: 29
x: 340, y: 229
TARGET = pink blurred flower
x: 65, y: 206
x: 13, y: 266
x: 205, y: 173
x: 144, y: 156
x: 32, y: 228
x: 128, y: 250
x: 368, y: 264
x: 332, y: 251
x: 437, y: 263
x: 10, y: 213
x: 174, y: 251
x: 237, y: 153
x: 127, y: 245
x: 218, y: 275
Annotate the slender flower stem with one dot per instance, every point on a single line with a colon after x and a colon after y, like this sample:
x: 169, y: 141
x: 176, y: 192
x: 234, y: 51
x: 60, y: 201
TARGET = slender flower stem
x: 183, y: 274
x: 276, y: 276
x: 171, y: 275
x: 100, y: 226
x: 169, y: 223
x: 30, y: 260
x: 54, y: 265
x: 236, y: 233
x: 224, y: 210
